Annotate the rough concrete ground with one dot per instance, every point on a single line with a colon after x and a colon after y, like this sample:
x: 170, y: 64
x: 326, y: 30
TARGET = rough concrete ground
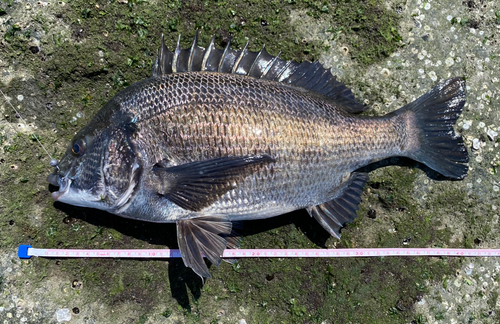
x: 61, y: 61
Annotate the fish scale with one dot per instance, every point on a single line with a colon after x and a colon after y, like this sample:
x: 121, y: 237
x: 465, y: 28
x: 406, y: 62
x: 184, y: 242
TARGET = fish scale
x: 291, y: 125
x: 216, y: 136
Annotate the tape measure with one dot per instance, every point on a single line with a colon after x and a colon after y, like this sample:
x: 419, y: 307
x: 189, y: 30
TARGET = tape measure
x: 26, y: 252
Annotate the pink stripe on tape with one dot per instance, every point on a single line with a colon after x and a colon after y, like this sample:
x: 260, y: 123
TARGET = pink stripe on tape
x: 267, y: 253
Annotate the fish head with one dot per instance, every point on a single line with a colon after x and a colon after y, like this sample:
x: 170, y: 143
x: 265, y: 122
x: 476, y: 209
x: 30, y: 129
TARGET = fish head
x: 100, y: 168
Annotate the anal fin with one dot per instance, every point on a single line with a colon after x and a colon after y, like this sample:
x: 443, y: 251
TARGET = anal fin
x: 333, y: 214
x: 203, y: 236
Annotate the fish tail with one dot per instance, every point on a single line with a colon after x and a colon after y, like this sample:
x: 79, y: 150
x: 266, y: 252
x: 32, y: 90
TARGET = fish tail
x: 430, y: 120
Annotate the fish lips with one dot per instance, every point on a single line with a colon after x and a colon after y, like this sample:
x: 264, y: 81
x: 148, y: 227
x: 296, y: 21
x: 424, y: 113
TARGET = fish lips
x: 62, y: 182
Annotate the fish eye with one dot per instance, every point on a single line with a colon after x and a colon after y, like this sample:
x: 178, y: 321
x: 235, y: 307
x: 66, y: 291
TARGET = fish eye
x: 78, y: 148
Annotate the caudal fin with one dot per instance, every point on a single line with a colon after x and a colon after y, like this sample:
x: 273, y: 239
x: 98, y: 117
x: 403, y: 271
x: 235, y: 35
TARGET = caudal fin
x: 434, y: 115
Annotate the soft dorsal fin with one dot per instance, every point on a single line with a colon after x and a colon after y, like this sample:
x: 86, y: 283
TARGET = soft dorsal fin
x: 260, y: 65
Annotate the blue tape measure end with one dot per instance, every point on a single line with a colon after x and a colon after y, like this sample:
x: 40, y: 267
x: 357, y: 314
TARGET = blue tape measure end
x: 22, y: 252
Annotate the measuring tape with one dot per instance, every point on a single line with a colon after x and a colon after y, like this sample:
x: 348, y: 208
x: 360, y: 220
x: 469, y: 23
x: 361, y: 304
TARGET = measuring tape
x: 26, y: 252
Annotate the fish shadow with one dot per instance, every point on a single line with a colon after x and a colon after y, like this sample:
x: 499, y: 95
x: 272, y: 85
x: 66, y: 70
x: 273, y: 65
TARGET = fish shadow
x: 164, y: 234
x: 408, y: 163
x: 300, y: 218
x: 182, y: 279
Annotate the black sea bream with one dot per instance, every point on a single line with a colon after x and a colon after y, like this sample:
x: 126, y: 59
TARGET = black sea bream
x: 216, y: 136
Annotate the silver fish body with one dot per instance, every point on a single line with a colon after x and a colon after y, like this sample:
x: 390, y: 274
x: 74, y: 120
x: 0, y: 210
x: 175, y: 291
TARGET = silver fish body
x: 204, y: 147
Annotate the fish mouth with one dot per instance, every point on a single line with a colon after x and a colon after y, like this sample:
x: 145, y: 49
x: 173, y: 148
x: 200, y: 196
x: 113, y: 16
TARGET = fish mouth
x: 62, y: 182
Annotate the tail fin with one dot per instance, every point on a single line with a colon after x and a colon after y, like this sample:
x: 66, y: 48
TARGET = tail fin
x: 434, y: 115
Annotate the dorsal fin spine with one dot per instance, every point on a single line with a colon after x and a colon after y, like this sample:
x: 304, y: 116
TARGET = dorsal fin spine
x: 270, y: 65
x: 224, y: 54
x: 162, y: 55
x: 208, y: 51
x: 177, y: 53
x: 192, y: 51
x: 255, y: 62
x: 238, y: 60
x: 281, y: 74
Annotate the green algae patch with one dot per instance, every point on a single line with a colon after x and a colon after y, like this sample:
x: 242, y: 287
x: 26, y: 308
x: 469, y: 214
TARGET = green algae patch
x: 368, y: 28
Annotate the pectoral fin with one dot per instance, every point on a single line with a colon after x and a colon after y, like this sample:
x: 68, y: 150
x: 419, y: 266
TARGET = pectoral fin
x: 332, y: 215
x: 197, y: 185
x: 202, y: 236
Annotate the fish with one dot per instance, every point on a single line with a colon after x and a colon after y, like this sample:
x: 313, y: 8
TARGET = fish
x: 219, y: 136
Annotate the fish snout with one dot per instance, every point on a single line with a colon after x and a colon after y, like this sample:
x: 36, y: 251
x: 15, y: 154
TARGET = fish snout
x: 62, y: 182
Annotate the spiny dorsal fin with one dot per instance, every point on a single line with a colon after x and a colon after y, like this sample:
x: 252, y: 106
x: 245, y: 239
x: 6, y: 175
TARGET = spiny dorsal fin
x: 260, y: 65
